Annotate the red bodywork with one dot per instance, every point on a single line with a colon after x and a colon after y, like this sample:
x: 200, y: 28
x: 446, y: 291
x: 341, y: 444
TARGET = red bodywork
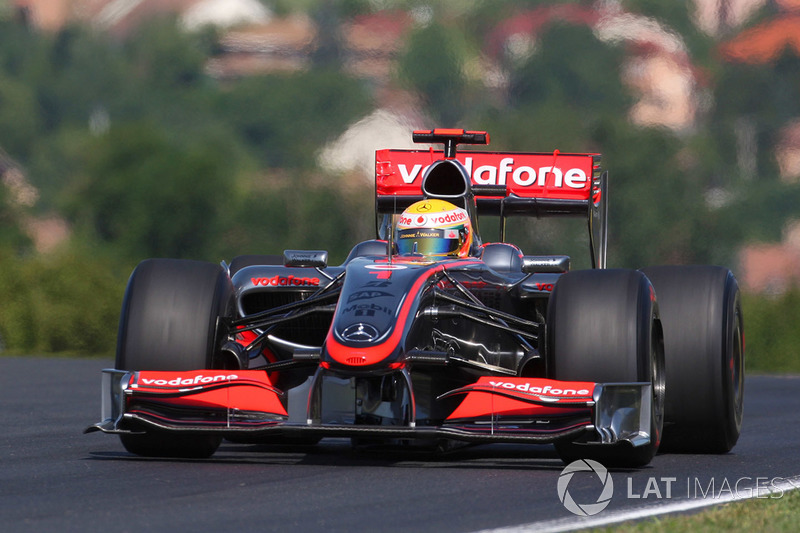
x: 527, y: 175
x: 216, y: 392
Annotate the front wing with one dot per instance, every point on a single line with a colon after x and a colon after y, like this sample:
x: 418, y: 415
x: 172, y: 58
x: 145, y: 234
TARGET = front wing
x: 507, y: 409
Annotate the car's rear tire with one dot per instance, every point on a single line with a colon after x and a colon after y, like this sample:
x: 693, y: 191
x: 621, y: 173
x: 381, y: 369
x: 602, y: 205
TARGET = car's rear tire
x: 701, y: 313
x: 603, y: 326
x: 168, y: 322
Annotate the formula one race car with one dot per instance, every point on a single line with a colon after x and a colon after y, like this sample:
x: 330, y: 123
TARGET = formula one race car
x: 428, y: 334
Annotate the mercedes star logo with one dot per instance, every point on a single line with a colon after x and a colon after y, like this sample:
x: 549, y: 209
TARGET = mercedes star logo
x: 360, y: 333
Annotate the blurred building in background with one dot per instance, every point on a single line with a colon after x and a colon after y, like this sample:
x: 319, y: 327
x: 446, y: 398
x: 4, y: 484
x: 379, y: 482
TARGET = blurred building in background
x: 772, y: 268
x: 659, y: 69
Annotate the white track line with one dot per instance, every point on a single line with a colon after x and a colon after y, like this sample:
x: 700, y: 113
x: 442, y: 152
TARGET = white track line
x: 615, y: 517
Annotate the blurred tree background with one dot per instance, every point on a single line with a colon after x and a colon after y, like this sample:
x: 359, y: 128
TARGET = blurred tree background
x: 118, y: 146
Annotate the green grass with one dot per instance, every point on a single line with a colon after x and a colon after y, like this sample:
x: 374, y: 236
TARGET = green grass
x: 772, y: 338
x: 759, y: 514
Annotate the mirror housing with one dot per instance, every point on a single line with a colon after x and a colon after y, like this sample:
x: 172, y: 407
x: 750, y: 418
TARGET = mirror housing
x: 305, y: 258
x: 545, y: 264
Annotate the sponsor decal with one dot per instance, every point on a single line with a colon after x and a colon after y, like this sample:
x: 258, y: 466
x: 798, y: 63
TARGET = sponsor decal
x: 379, y: 284
x: 544, y: 287
x: 307, y: 256
x: 281, y: 281
x: 507, y: 173
x: 409, y: 177
x: 547, y: 389
x: 471, y: 284
x: 196, y: 380
x: 367, y: 309
x: 421, y: 234
x: 360, y: 333
x: 385, y: 267
x: 367, y: 295
x: 454, y: 216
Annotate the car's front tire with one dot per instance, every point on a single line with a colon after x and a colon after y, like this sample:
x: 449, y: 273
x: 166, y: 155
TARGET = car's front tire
x: 603, y: 326
x: 168, y: 323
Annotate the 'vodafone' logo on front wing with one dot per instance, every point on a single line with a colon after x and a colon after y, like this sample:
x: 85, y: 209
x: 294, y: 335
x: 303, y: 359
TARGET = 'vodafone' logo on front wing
x: 537, y: 389
x: 508, y: 173
x: 184, y: 381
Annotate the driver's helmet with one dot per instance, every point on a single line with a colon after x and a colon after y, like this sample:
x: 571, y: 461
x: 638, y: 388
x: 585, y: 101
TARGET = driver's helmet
x: 434, y: 228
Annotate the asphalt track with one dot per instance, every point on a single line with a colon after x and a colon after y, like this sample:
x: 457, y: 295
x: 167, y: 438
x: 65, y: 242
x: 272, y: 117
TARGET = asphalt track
x: 54, y: 478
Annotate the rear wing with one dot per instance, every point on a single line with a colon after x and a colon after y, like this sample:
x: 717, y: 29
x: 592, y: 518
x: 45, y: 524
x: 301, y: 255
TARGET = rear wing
x: 505, y: 184
x: 533, y: 184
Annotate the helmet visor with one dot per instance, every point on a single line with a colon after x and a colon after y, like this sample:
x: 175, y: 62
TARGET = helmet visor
x: 430, y: 242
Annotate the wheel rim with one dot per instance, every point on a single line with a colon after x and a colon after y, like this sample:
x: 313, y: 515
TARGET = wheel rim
x: 737, y: 368
x: 657, y: 380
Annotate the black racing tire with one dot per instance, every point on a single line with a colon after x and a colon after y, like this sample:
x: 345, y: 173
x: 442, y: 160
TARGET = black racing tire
x: 701, y: 313
x: 241, y: 261
x: 603, y: 326
x: 155, y: 443
x: 168, y: 323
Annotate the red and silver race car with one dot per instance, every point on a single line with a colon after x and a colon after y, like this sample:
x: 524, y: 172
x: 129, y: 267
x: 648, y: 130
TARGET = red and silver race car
x: 430, y: 334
